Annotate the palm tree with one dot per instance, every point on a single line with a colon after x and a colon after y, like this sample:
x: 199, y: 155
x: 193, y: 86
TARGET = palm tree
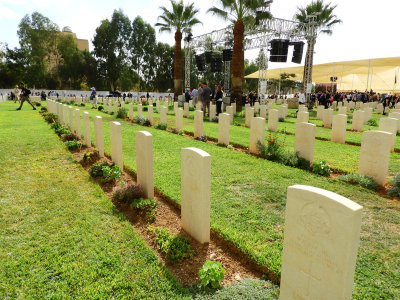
x: 241, y: 13
x: 325, y: 20
x: 180, y: 19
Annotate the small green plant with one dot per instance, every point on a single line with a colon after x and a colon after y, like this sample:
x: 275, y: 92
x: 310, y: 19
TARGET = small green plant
x: 110, y: 173
x: 211, y: 274
x: 273, y: 149
x: 281, y: 119
x: 142, y: 121
x: 83, y: 104
x: 89, y: 157
x: 191, y: 108
x: 56, y: 125
x: 181, y: 132
x: 106, y: 171
x: 160, y: 126
x: 176, y: 247
x: 43, y: 108
x: 361, y: 180
x: 201, y: 139
x: 237, y: 123
x: 100, y: 108
x: 37, y: 104
x: 122, y: 113
x: 214, y: 119
x: 372, y: 122
x: 73, y: 145
x: 147, y: 205
x: 69, y: 137
x: 395, y: 189
x: 230, y: 147
x: 127, y: 194
x: 50, y: 117
x: 62, y: 130
x: 322, y: 168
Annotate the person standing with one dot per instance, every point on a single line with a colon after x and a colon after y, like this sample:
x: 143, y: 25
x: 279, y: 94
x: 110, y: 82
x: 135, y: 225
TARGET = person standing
x: 206, y: 97
x: 16, y: 94
x: 218, y: 96
x: 93, y: 97
x: 24, y: 96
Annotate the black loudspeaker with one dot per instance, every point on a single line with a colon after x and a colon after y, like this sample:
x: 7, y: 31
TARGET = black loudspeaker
x: 227, y: 54
x: 216, y: 63
x: 297, y: 52
x: 279, y: 50
x: 201, y: 66
x: 208, y: 55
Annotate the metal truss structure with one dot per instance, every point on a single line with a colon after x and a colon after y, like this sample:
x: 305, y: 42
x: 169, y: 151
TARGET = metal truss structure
x: 257, y: 37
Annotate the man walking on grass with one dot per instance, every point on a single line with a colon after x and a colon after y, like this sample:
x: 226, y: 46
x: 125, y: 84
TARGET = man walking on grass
x: 24, y: 96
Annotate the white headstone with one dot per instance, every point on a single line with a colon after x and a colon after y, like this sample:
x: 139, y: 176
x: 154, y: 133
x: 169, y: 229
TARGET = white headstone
x: 179, y: 119
x: 131, y: 111
x: 98, y: 134
x: 374, y: 156
x: 322, y: 235
x: 273, y: 120
x: 195, y: 190
x: 257, y: 134
x: 144, y: 162
x: 358, y: 120
x: 305, y: 140
x: 77, y: 126
x: 86, y: 129
x: 150, y: 114
x: 339, y: 125
x: 249, y: 114
x: 163, y: 115
x: 223, y: 128
x: 116, y: 143
x: 198, y: 123
x: 302, y: 117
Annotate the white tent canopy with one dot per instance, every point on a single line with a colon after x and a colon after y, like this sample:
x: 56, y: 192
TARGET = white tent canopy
x: 380, y: 74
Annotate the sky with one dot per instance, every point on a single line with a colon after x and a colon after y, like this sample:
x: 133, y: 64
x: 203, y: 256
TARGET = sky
x: 369, y: 28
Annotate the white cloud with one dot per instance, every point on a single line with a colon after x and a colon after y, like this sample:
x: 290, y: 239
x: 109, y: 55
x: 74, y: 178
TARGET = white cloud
x: 7, y: 13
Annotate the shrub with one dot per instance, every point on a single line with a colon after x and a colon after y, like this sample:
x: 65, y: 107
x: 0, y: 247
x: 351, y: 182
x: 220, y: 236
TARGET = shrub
x: 361, y: 180
x: 121, y: 114
x: 89, y: 157
x: 43, y: 108
x: 142, y: 121
x: 73, y: 145
x: 191, y: 108
x: 37, y: 104
x: 69, y: 137
x: 50, y: 117
x: 181, y: 132
x: 214, y: 119
x: 176, y: 247
x: 62, y: 130
x: 82, y: 104
x: 106, y: 171
x: 372, y: 122
x: 395, y: 189
x: 100, y: 108
x: 160, y: 126
x: 147, y: 205
x: 281, y: 119
x: 230, y: 147
x: 273, y: 149
x: 201, y: 139
x: 322, y: 168
x: 294, y: 160
x: 56, y: 125
x: 212, y: 273
x: 129, y: 193
x: 237, y: 123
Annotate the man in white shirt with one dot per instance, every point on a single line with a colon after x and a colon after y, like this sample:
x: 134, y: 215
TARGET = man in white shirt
x: 302, y: 97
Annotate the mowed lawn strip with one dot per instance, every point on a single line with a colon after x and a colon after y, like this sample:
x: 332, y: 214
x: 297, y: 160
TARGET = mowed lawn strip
x: 248, y: 197
x: 60, y: 237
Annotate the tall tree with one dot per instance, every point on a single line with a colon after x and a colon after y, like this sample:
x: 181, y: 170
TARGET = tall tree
x: 70, y: 67
x: 142, y: 45
x: 242, y: 13
x: 325, y: 20
x: 163, y: 64
x: 111, y: 42
x: 181, y: 18
x: 37, y: 37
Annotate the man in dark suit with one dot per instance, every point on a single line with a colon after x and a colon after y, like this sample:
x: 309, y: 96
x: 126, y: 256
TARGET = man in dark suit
x: 206, y: 97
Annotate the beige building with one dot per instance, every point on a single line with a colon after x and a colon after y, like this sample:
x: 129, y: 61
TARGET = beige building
x: 82, y: 44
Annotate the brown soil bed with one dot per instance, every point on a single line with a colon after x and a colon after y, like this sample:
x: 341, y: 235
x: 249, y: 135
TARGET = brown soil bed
x: 237, y: 265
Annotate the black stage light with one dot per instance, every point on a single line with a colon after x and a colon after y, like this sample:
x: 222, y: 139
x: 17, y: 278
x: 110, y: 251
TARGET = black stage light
x: 216, y: 63
x: 208, y: 55
x: 201, y: 66
x: 227, y: 54
x: 297, y: 52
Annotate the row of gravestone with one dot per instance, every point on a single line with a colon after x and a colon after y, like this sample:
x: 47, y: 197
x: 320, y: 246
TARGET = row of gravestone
x: 322, y: 229
x: 374, y: 161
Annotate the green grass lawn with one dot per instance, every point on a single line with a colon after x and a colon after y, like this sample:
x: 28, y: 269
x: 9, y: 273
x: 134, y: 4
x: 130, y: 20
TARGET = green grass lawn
x: 343, y: 158
x: 248, y: 197
x: 60, y: 237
